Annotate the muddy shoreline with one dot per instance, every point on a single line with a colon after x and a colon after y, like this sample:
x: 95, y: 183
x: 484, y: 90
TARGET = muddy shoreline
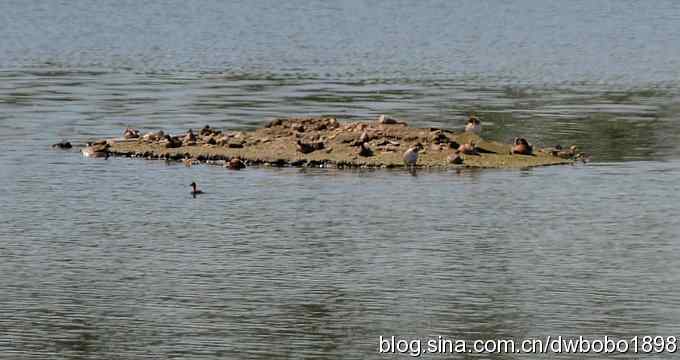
x: 325, y: 142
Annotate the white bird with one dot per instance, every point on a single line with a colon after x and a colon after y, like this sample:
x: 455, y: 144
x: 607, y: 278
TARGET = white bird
x: 153, y: 136
x: 411, y: 155
x: 96, y: 150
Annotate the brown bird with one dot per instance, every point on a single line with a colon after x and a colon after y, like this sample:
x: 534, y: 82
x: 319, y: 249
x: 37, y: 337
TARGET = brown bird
x: 188, y: 161
x: 473, y: 125
x: 308, y: 148
x: 468, y: 149
x: 564, y: 154
x: 170, y: 141
x: 235, y: 164
x: 189, y: 138
x: 522, y: 147
x: 131, y: 133
x: 207, y: 131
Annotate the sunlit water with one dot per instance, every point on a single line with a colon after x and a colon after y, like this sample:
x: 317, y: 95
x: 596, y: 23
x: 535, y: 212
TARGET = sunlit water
x: 114, y: 258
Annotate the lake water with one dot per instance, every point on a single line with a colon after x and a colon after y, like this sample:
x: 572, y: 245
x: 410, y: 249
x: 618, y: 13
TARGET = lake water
x: 113, y: 259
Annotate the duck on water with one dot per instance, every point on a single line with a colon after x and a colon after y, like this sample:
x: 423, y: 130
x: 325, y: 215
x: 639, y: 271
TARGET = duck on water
x: 474, y: 125
x: 194, y: 189
x: 521, y: 147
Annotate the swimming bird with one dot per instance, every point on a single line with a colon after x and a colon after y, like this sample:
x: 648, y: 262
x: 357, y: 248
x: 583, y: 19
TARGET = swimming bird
x: 96, y: 150
x: 521, y: 147
x: 571, y: 153
x: 473, y: 125
x: 564, y: 154
x: 235, y: 164
x: 194, y: 189
x: 62, y: 145
x: 411, y: 155
x: 584, y: 157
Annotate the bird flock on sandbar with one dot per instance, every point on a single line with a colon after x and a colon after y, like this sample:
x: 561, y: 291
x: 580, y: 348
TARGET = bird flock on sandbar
x: 210, y: 136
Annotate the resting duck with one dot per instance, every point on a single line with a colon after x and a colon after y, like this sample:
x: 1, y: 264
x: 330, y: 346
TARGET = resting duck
x: 235, y: 164
x: 189, y: 138
x: 153, y: 136
x: 522, y: 147
x: 467, y: 149
x: 411, y: 155
x: 194, y: 189
x: 208, y: 131
x: 564, y: 154
x: 170, y: 141
x: 473, y: 125
x: 130, y: 133
x: 223, y: 140
x: 96, y: 150
x: 455, y: 158
x: 364, y: 150
x: 308, y: 148
x: 382, y: 119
